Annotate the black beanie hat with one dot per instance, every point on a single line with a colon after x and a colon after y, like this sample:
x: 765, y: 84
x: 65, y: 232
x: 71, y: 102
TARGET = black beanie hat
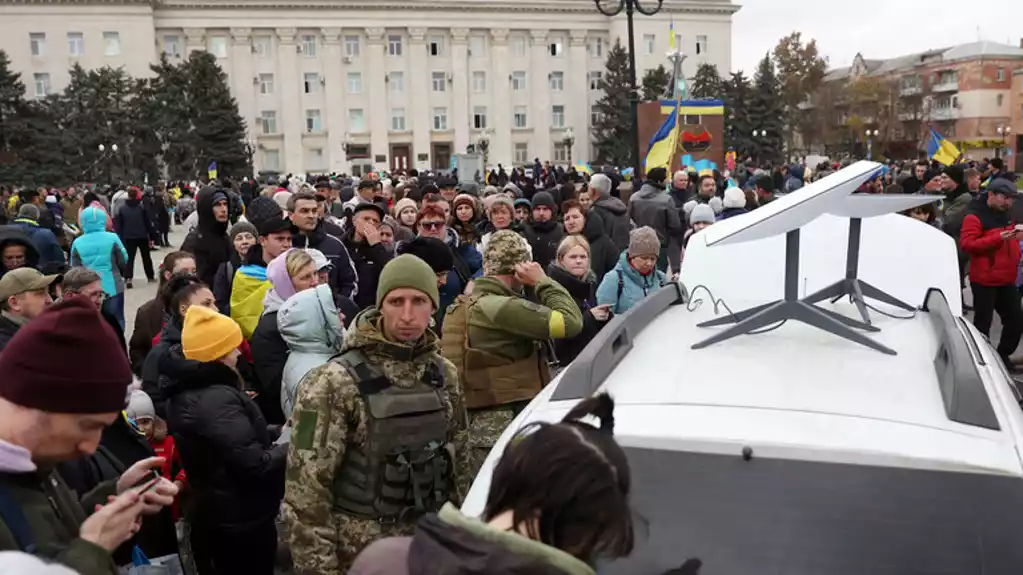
x: 955, y: 172
x: 543, y: 199
x: 431, y: 250
x: 92, y: 375
x: 267, y: 216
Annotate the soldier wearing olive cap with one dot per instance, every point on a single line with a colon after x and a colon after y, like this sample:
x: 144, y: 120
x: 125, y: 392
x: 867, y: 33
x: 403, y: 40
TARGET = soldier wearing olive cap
x: 496, y: 338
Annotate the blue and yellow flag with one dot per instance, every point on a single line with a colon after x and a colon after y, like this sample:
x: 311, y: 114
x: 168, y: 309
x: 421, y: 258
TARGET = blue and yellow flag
x: 664, y: 142
x: 211, y: 170
x: 671, y: 36
x: 941, y: 150
x: 584, y: 168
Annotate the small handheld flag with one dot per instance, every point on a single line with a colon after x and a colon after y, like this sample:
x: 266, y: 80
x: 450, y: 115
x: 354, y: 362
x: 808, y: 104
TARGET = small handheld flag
x: 211, y: 170
x: 941, y: 150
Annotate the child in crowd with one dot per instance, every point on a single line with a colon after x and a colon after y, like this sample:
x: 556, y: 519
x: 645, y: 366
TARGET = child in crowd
x: 140, y: 410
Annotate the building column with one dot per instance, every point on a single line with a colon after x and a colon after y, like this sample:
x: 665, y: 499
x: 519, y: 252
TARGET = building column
x: 460, y: 81
x: 241, y: 60
x: 379, y: 108
x: 578, y: 84
x: 420, y: 102
x: 500, y: 142
x: 337, y: 120
x: 540, y: 96
x: 195, y: 39
x: 291, y: 106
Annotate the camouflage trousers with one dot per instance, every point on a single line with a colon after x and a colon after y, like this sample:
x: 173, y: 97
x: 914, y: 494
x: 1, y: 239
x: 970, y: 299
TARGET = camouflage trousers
x: 355, y: 534
x: 485, y: 427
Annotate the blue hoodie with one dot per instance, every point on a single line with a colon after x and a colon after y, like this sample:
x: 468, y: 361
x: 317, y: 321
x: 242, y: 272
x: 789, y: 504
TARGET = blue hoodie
x: 634, y: 287
x: 100, y: 251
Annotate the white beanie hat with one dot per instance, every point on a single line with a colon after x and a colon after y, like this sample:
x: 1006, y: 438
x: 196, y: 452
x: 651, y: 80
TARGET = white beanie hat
x: 702, y: 214
x: 716, y: 204
x: 140, y: 405
x: 18, y: 562
x: 735, y: 198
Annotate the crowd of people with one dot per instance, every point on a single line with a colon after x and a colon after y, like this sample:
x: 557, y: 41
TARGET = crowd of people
x: 328, y: 363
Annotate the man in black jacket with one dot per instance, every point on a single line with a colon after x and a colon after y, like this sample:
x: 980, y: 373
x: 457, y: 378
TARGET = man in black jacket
x: 135, y: 227
x: 209, y: 242
x: 544, y: 233
x: 305, y: 216
x: 367, y: 252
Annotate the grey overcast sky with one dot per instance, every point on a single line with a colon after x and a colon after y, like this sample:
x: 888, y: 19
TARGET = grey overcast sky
x: 877, y: 28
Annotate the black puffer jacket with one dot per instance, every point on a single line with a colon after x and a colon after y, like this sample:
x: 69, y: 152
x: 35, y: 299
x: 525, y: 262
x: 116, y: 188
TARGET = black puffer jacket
x: 208, y: 242
x: 585, y: 295
x: 543, y: 238
x: 603, y: 253
x: 343, y: 278
x: 235, y: 471
x: 160, y: 363
x: 269, y: 354
x: 369, y: 261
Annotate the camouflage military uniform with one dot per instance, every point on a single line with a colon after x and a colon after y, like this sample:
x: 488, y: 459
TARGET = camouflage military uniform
x: 330, y: 416
x: 504, y: 331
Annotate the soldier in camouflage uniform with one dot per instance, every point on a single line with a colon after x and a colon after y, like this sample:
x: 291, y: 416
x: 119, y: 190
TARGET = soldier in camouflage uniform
x: 496, y: 338
x: 379, y: 430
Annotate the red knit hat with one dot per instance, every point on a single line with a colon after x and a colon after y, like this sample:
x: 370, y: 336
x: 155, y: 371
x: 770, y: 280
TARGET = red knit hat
x: 66, y: 360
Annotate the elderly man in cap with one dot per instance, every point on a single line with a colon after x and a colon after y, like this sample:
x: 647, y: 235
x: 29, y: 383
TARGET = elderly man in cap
x: 498, y: 339
x: 56, y: 411
x: 378, y: 430
x: 368, y: 253
x: 24, y: 294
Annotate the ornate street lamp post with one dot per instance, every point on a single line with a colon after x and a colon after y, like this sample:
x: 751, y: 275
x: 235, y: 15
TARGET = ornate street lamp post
x: 1003, y: 132
x: 106, y: 158
x: 569, y: 141
x: 871, y: 134
x: 613, y: 8
x: 484, y: 146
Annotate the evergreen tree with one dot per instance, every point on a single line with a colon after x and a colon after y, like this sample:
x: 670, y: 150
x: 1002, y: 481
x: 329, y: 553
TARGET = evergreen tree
x: 707, y: 84
x: 168, y: 111
x: 12, y: 104
x: 767, y: 113
x: 738, y: 127
x: 218, y: 128
x: 612, y: 133
x: 656, y: 83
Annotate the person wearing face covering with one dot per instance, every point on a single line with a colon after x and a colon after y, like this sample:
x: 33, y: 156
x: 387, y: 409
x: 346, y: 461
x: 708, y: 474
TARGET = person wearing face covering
x: 209, y: 241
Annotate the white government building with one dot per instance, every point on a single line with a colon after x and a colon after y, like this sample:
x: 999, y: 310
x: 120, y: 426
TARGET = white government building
x: 396, y: 83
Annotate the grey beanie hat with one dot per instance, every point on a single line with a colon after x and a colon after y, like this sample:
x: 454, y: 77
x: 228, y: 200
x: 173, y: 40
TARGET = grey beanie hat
x: 644, y: 242
x: 29, y: 211
x: 140, y: 405
x: 702, y: 214
x: 242, y: 226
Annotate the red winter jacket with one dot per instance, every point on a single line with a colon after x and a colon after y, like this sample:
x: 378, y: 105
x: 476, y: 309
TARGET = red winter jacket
x: 993, y: 261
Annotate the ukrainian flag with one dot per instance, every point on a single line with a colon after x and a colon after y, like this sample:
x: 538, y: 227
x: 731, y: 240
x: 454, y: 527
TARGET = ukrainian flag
x: 941, y: 150
x: 584, y: 168
x: 664, y: 142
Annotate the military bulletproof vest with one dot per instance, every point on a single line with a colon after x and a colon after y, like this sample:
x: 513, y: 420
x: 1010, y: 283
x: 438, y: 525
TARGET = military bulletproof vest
x: 404, y: 469
x: 489, y: 380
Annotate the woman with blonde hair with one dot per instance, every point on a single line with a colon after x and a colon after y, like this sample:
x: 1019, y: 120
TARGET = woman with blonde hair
x: 571, y: 269
x: 291, y: 272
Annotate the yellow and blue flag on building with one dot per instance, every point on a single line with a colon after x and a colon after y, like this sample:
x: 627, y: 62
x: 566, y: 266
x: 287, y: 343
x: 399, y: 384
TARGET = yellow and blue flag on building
x: 941, y: 150
x: 211, y: 170
x: 664, y: 142
x: 671, y: 36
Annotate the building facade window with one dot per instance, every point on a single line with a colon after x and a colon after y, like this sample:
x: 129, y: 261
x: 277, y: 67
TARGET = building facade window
x: 396, y: 81
x: 42, y: 85
x: 479, y: 117
x: 557, y: 81
x: 172, y: 45
x: 436, y: 45
x: 262, y: 46
x: 556, y: 47
x: 560, y: 153
x: 354, y: 83
x: 595, y: 47
x: 701, y: 45
x: 308, y: 45
x: 356, y: 120
x: 218, y: 46
x: 1001, y: 75
x: 315, y: 159
x: 272, y: 160
x: 37, y: 42
x: 75, y: 44
x: 520, y: 119
x: 594, y: 118
x: 266, y: 84
x: 479, y: 82
x: 477, y: 46
x: 111, y: 43
x: 521, y: 153
x: 312, y: 121
x: 649, y: 42
x: 595, y: 78
x: 311, y: 82
x: 518, y: 46
x: 440, y: 119
x: 268, y: 121
x: 394, y: 47
x: 557, y: 116
x: 352, y: 48
x: 678, y: 42
x: 438, y: 81
x: 999, y: 100
x: 397, y: 119
x: 518, y: 81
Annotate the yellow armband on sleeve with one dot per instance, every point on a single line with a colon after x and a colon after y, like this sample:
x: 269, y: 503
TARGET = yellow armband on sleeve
x: 556, y: 323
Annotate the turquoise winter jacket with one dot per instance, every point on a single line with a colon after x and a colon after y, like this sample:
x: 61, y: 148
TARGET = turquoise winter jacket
x: 634, y: 287
x: 100, y: 251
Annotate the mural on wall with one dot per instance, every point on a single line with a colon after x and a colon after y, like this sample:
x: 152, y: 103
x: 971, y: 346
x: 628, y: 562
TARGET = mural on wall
x: 702, y: 127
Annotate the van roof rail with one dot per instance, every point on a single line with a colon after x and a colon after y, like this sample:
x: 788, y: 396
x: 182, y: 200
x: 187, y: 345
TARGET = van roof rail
x: 962, y: 388
x: 611, y: 344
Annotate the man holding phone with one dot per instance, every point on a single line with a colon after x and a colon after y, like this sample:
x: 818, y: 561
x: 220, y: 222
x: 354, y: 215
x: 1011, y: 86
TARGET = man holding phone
x: 992, y: 240
x: 56, y: 411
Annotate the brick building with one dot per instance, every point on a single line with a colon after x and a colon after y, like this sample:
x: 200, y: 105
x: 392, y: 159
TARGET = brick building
x: 966, y: 92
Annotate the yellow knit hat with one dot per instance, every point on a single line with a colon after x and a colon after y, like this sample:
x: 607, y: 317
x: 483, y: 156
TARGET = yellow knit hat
x: 208, y: 335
